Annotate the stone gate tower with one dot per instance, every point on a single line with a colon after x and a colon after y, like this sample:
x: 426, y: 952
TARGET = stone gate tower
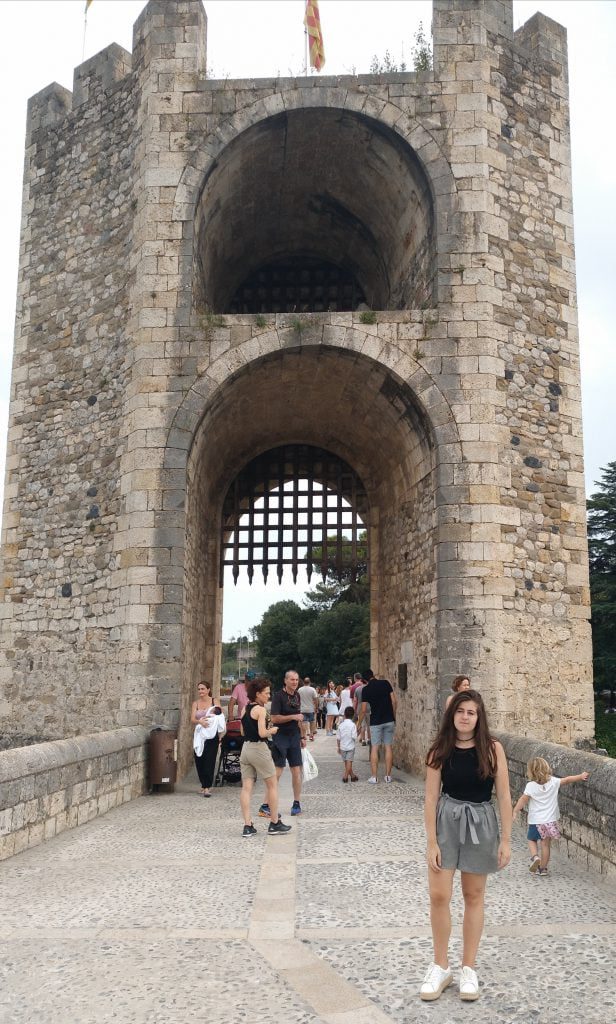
x: 199, y: 265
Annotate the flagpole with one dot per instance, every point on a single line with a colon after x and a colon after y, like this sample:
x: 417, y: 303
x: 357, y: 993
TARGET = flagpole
x: 85, y: 28
x: 306, y: 53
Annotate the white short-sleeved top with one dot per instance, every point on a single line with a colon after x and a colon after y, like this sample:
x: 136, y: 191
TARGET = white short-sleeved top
x: 543, y: 803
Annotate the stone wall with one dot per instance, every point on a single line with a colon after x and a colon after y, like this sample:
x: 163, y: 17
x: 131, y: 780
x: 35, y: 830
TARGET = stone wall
x: 62, y: 495
x: 587, y: 809
x: 125, y: 361
x: 49, y: 787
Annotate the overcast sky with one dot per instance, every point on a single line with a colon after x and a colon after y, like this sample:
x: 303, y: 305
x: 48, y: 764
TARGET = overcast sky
x: 43, y: 42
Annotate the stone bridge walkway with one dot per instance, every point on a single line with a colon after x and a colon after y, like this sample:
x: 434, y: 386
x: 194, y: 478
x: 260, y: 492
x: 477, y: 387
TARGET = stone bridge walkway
x: 160, y: 912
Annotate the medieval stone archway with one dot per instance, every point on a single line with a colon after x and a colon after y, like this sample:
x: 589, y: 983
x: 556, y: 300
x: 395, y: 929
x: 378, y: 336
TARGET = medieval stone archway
x: 354, y: 407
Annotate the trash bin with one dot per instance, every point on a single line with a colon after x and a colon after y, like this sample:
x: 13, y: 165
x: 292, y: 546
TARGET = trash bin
x: 163, y: 760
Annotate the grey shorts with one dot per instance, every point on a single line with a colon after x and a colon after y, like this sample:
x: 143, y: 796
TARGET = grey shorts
x: 348, y: 754
x: 382, y: 734
x: 467, y: 835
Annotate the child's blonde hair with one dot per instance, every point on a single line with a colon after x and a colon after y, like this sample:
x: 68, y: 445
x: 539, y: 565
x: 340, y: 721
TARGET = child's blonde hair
x: 538, y: 770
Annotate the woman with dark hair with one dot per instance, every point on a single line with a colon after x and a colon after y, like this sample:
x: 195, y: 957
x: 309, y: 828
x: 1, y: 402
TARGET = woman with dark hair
x: 209, y: 723
x: 458, y: 684
x: 256, y: 758
x: 332, y: 703
x: 463, y: 764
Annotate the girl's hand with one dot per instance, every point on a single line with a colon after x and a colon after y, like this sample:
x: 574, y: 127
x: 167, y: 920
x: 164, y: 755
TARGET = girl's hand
x: 504, y: 854
x: 434, y: 857
x: 273, y: 729
x: 584, y: 776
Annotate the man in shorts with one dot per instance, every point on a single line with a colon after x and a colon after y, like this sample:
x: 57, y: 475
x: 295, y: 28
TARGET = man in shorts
x: 379, y: 696
x: 288, y: 742
x: 308, y: 705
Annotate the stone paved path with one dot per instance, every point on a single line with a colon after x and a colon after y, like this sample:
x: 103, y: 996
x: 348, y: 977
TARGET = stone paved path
x: 160, y: 912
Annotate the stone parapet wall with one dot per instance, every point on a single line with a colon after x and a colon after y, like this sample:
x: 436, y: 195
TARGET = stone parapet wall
x: 587, y: 810
x: 49, y: 787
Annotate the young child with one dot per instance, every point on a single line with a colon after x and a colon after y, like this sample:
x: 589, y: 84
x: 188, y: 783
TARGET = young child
x: 541, y: 795
x: 347, y: 737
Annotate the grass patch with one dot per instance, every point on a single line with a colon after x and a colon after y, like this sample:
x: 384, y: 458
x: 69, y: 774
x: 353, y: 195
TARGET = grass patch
x: 605, y: 729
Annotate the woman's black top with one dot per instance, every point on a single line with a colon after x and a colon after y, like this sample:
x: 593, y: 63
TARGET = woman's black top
x: 460, y: 777
x: 250, y: 727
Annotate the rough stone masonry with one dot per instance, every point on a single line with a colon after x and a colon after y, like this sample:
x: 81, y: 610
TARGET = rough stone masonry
x: 155, y: 200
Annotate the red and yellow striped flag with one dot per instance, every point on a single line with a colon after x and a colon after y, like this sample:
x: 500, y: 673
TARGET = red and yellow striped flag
x: 312, y: 22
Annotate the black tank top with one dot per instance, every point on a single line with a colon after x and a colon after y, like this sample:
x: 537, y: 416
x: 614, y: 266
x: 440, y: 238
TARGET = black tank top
x: 460, y: 777
x: 250, y: 727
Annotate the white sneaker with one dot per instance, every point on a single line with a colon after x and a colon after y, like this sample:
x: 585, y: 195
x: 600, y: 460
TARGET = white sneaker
x: 372, y: 780
x: 436, y: 981
x: 387, y: 778
x: 469, y: 985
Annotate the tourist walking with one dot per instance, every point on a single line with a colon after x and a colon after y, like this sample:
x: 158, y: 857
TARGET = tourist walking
x: 464, y: 764
x: 363, y: 727
x: 256, y: 758
x: 309, y: 705
x: 321, y: 713
x: 331, y: 707
x: 459, y: 683
x: 238, y: 699
x: 346, y: 739
x: 379, y: 696
x: 541, y: 795
x: 288, y: 742
x: 209, y: 723
x: 346, y: 698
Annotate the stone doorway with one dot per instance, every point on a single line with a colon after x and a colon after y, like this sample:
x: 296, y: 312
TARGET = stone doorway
x: 353, y: 407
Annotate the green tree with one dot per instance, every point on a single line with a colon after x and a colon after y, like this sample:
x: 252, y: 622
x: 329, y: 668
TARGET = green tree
x: 422, y: 51
x: 277, y: 638
x: 336, y: 643
x: 421, y: 54
x: 347, y: 573
x: 601, y: 508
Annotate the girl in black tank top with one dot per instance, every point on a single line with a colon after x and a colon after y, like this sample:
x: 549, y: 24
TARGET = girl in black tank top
x: 464, y: 764
x: 461, y: 779
x: 250, y: 727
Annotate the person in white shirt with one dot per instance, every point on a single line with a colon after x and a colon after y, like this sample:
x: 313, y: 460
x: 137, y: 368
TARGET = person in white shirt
x: 346, y: 698
x: 541, y: 795
x: 346, y: 737
x: 308, y: 705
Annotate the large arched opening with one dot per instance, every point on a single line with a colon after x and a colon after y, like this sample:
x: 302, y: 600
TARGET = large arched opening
x: 315, y: 209
x: 353, y: 407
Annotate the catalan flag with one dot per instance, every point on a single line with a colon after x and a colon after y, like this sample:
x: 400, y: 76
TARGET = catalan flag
x: 312, y: 22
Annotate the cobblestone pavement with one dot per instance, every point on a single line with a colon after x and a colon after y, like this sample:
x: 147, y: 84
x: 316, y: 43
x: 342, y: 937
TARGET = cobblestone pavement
x: 160, y: 912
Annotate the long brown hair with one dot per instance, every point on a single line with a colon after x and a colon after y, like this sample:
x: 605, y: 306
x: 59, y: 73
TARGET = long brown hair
x: 445, y: 742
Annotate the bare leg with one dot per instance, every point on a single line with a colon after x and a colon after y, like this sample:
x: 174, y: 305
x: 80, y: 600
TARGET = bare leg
x: 296, y: 781
x: 473, y: 890
x: 271, y: 795
x: 533, y: 849
x: 546, y: 845
x: 245, y: 795
x: 374, y: 759
x: 440, y: 883
x: 389, y: 759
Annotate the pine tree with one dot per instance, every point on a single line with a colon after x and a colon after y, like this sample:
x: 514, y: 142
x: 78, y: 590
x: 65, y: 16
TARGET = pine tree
x: 601, y: 508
